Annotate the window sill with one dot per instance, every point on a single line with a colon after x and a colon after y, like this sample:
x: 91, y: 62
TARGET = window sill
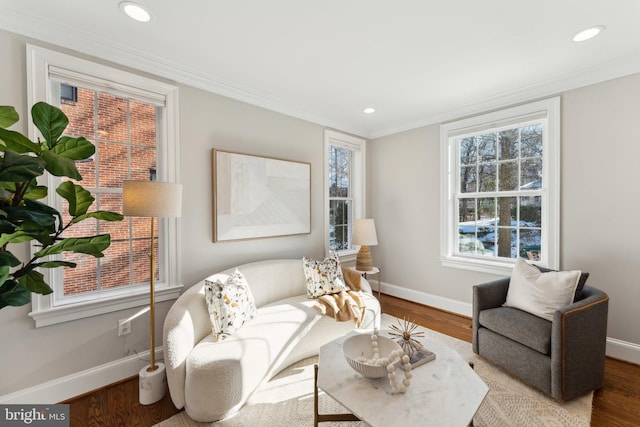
x: 108, y: 304
x: 347, y: 256
x: 501, y: 268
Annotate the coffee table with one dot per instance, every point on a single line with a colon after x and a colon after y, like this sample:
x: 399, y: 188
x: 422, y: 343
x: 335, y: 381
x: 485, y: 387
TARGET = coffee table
x: 443, y: 392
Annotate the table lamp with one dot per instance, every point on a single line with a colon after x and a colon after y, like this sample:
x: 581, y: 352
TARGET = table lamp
x: 364, y: 234
x: 152, y: 199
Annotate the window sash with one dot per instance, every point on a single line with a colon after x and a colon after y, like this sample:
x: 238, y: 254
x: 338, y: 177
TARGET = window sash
x: 73, y: 78
x: 44, y: 67
x: 356, y: 192
x: 546, y: 112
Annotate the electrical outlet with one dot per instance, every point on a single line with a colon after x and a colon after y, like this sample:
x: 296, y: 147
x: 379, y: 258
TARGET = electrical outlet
x: 124, y: 327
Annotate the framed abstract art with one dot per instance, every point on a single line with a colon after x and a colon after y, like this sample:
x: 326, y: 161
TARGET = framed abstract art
x: 257, y: 197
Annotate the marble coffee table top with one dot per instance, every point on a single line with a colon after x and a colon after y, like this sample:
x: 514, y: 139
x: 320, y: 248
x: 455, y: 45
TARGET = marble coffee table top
x: 443, y: 392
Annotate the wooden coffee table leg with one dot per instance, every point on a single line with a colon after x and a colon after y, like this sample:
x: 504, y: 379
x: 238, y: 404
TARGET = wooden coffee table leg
x: 323, y: 418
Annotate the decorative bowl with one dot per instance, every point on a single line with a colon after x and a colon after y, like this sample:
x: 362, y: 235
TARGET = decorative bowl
x: 360, y: 345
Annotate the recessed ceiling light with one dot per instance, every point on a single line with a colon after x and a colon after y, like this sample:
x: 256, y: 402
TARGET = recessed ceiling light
x: 369, y: 110
x: 589, y: 33
x: 135, y: 11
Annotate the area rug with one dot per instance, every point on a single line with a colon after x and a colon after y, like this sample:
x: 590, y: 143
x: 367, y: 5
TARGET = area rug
x: 287, y: 400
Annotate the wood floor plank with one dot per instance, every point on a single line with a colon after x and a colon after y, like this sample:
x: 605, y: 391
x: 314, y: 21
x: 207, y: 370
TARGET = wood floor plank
x: 117, y: 405
x: 616, y: 404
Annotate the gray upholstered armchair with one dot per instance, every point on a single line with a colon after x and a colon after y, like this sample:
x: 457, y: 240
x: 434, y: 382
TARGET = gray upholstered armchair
x: 563, y: 358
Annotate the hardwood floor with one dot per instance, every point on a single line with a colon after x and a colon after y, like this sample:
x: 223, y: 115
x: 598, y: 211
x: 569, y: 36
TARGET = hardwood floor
x: 616, y: 404
x: 117, y: 405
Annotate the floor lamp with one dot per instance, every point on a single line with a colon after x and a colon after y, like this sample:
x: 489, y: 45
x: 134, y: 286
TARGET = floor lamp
x: 152, y: 199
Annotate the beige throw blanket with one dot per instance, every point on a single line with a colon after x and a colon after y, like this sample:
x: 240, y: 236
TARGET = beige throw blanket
x: 344, y: 305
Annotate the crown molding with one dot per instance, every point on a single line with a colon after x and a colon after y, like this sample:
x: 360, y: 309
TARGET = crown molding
x: 104, y: 49
x: 90, y: 44
x: 544, y: 89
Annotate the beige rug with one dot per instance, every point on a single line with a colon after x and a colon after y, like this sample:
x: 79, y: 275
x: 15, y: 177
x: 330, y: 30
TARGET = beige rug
x: 287, y: 400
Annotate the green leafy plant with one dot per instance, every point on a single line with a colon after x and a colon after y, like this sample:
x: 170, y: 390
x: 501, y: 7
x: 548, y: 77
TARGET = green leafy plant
x: 24, y: 218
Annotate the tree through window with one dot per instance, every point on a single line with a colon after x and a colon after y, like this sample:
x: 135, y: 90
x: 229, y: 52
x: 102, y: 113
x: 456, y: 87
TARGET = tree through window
x: 340, y: 198
x: 345, y: 189
x: 500, y: 211
x: 500, y: 198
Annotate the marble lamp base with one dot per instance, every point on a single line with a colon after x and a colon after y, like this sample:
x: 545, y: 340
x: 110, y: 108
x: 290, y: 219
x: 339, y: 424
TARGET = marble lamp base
x: 153, y: 384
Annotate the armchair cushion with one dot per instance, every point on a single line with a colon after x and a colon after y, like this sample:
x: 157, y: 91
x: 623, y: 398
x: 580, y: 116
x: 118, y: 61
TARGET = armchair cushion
x: 540, y: 293
x: 581, y: 282
x: 520, y: 326
x: 575, y: 363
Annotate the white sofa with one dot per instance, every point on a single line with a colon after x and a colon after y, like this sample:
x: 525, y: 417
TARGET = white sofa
x: 212, y: 380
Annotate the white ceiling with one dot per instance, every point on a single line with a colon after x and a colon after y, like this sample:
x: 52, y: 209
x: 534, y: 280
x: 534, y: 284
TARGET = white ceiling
x: 416, y: 61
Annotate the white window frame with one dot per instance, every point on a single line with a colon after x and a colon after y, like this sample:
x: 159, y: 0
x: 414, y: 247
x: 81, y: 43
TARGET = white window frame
x: 357, y: 188
x: 547, y: 111
x: 45, y: 66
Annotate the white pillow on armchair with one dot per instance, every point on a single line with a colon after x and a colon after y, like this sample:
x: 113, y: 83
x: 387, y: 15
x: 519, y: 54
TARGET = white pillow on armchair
x: 539, y: 293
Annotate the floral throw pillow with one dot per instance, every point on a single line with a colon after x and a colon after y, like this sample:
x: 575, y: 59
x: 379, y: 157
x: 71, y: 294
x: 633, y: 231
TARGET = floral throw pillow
x: 323, y: 277
x: 230, y: 304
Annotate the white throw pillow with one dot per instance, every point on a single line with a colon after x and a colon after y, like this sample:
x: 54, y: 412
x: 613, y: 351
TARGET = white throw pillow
x: 323, y: 277
x: 540, y: 293
x: 230, y: 304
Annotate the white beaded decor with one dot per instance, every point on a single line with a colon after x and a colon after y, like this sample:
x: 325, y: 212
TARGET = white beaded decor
x: 388, y: 362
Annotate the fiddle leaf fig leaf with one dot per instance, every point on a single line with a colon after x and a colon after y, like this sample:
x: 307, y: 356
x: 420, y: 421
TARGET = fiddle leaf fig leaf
x: 50, y: 121
x: 36, y: 192
x: 4, y: 273
x: 24, y: 217
x: 56, y: 264
x: 17, y: 237
x: 8, y: 259
x: 17, y: 142
x: 24, y: 213
x: 14, y: 294
x: 74, y: 148
x: 85, y: 245
x: 37, y: 206
x: 79, y: 199
x: 60, y: 166
x: 20, y: 168
x: 8, y: 116
x: 33, y: 281
x: 101, y: 215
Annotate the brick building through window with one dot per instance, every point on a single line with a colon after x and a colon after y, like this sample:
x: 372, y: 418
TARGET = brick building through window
x: 123, y: 131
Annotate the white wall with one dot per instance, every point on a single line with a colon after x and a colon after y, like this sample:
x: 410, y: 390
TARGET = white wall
x: 600, y: 205
x: 600, y: 155
x: 209, y: 121
x: 91, y: 347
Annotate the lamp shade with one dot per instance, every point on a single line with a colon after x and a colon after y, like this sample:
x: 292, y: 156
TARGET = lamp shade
x: 364, y: 232
x: 151, y: 199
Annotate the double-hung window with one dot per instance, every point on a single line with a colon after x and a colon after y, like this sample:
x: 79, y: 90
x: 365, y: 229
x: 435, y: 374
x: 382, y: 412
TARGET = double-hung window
x: 132, y: 121
x: 344, y: 190
x: 500, y: 191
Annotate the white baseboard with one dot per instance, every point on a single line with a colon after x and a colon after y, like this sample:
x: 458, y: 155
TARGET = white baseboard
x: 454, y: 306
x: 623, y: 350
x: 82, y: 382
x: 619, y: 349
x: 73, y: 385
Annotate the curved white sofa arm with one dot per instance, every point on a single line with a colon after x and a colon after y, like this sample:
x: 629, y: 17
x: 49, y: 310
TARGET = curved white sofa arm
x: 212, y: 380
x: 186, y: 324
